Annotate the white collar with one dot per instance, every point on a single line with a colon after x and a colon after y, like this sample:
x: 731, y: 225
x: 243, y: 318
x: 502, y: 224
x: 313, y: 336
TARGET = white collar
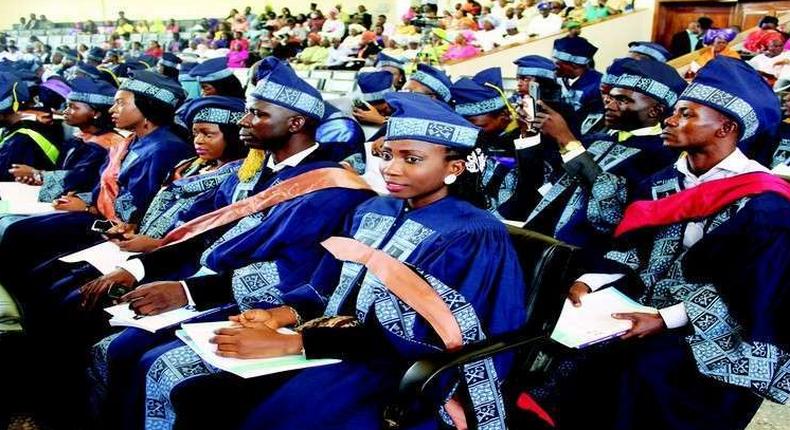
x: 291, y: 161
x: 734, y: 164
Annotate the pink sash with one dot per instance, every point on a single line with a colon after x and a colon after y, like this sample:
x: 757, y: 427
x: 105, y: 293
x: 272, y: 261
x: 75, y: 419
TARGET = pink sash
x: 699, y: 202
x: 308, y: 182
x: 108, y: 184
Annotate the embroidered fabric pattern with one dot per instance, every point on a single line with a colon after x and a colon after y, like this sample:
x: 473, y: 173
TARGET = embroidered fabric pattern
x: 218, y: 116
x: 434, y: 84
x: 649, y: 86
x: 417, y: 128
x: 294, y: 98
x: 91, y: 99
x: 147, y: 89
x: 479, y: 108
x: 723, y: 100
x: 564, y: 56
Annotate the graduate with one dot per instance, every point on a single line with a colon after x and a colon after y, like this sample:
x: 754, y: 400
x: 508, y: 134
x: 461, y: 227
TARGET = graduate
x: 396, y: 66
x: 430, y: 81
x: 585, y: 204
x: 513, y: 173
x: 640, y: 50
x: 216, y: 79
x: 134, y: 172
x: 168, y: 65
x: 372, y: 110
x: 706, y: 245
x: 257, y: 252
x: 425, y: 232
x: 23, y: 141
x: 87, y: 109
x: 577, y: 76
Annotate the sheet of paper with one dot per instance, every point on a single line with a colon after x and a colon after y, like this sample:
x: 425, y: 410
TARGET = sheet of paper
x: 592, y: 322
x: 16, y: 207
x: 105, y: 257
x: 200, y: 333
x: 16, y: 191
x: 123, y: 316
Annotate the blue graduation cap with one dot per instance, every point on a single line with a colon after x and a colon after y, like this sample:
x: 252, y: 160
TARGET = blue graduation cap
x: 612, y: 72
x: 652, y: 78
x: 266, y: 65
x: 480, y: 94
x: 68, y: 53
x: 536, y: 66
x: 374, y: 85
x: 96, y: 54
x: 419, y: 117
x: 185, y: 69
x: 92, y: 91
x: 169, y: 60
x: 155, y: 87
x: 435, y: 79
x: 213, y: 109
x: 211, y: 70
x: 735, y: 89
x: 652, y: 50
x: 85, y: 69
x: 575, y: 50
x: 544, y: 5
x: 123, y: 70
x: 12, y: 92
x: 147, y: 60
x: 384, y: 60
x: 283, y: 87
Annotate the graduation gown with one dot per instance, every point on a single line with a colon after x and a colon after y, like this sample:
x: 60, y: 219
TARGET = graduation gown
x: 585, y: 205
x: 438, y: 241
x: 78, y: 169
x: 17, y: 147
x: 584, y: 94
x: 146, y: 165
x: 264, y: 259
x: 733, y: 283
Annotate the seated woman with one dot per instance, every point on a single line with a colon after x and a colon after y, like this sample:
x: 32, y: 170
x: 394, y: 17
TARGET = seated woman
x: 216, y: 79
x: 213, y: 121
x: 78, y: 168
x: 426, y: 227
x: 145, y: 105
x: 717, y: 41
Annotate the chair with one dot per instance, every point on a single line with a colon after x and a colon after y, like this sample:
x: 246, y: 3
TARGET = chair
x: 136, y: 37
x: 303, y: 73
x: 339, y: 87
x: 98, y: 39
x: 84, y: 39
x: 70, y: 41
x: 55, y: 41
x: 315, y: 83
x: 321, y: 74
x: 344, y: 75
x: 548, y: 272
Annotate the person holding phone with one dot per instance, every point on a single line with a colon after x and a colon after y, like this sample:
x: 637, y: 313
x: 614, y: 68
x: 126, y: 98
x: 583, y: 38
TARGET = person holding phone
x: 370, y: 108
x: 585, y: 204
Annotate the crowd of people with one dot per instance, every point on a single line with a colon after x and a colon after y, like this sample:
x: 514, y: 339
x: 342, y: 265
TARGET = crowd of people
x: 335, y: 38
x: 373, y: 226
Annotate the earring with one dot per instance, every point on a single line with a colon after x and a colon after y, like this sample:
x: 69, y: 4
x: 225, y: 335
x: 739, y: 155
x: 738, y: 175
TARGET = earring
x: 450, y: 179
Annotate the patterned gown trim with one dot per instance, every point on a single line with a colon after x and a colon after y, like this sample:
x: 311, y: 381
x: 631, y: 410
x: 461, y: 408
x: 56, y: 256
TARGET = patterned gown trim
x: 608, y: 154
x: 399, y: 319
x: 170, y: 201
x: 52, y: 185
x: 782, y: 153
x: 718, y: 343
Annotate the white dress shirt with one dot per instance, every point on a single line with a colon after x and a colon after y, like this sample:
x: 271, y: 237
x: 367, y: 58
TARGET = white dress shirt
x: 734, y: 164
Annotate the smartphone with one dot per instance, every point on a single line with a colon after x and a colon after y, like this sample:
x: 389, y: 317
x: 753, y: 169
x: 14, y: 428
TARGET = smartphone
x: 534, y: 92
x: 102, y: 225
x: 360, y: 104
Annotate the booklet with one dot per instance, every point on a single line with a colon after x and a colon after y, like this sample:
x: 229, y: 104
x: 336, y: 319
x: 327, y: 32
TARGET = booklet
x: 14, y: 207
x: 592, y: 322
x: 124, y: 316
x: 19, y: 191
x: 782, y: 171
x: 197, y: 336
x: 105, y: 257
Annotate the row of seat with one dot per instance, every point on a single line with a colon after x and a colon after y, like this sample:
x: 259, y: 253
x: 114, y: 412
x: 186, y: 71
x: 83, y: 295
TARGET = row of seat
x: 94, y: 39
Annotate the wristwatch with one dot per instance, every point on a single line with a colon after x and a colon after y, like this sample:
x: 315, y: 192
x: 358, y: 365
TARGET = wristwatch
x: 573, y: 145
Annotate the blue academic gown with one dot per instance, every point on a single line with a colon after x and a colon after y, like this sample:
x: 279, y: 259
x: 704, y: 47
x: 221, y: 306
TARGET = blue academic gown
x: 29, y: 242
x: 18, y: 148
x: 715, y: 371
x: 585, y: 205
x: 584, y: 94
x: 265, y: 259
x: 463, y: 253
x: 78, y: 170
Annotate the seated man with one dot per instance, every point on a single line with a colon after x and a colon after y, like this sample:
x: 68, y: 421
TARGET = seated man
x: 261, y: 248
x: 584, y: 205
x: 577, y: 75
x: 708, y: 248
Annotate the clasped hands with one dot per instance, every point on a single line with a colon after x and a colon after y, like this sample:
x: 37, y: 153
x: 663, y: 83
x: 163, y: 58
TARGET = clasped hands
x: 643, y: 324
